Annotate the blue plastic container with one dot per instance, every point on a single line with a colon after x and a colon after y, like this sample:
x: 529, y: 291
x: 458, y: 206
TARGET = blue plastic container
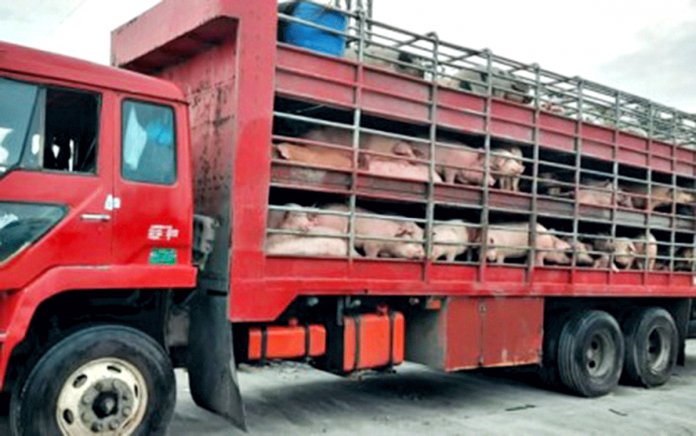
x: 312, y: 38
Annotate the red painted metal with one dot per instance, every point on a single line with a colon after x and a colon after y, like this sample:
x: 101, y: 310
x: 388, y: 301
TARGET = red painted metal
x: 79, y: 254
x: 16, y: 316
x: 471, y: 332
x: 512, y: 331
x: 153, y: 205
x: 262, y: 287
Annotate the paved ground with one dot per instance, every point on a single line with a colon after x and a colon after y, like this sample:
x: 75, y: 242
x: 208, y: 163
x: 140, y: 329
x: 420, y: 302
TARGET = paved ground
x: 294, y: 400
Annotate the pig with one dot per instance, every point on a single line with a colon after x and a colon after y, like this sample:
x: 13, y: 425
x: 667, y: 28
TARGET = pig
x: 408, y: 231
x: 315, y: 155
x: 505, y: 84
x: 606, y: 246
x: 605, y: 195
x: 660, y: 196
x: 368, y: 141
x: 581, y: 251
x: 394, y: 60
x: 295, y: 219
x: 469, y: 165
x: 508, y: 164
x: 646, y: 248
x: 401, y: 169
x: 515, y: 236
x: 454, y: 231
x: 624, y: 252
x: 310, y: 245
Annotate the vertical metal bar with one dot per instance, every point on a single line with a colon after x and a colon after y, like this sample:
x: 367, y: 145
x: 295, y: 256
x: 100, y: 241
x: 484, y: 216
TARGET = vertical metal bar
x: 430, y: 209
x: 675, y: 186
x: 486, y: 159
x: 614, y: 172
x: 357, y: 115
x: 577, y: 173
x: 535, y: 175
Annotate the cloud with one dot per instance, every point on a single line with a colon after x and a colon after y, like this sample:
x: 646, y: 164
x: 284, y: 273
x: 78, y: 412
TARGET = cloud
x: 663, y: 66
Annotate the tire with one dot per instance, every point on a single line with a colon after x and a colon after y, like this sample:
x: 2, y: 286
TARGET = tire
x: 135, y: 394
x: 652, y: 345
x: 590, y: 353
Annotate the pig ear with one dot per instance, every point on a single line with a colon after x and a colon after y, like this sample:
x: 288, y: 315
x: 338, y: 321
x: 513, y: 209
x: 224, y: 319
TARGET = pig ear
x: 402, y: 149
x: 283, y: 150
x: 404, y: 230
x: 632, y: 248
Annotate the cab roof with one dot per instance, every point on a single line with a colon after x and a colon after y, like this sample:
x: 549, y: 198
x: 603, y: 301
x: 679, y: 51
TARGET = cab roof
x: 41, y: 64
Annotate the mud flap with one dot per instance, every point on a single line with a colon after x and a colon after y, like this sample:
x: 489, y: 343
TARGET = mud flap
x: 211, y: 365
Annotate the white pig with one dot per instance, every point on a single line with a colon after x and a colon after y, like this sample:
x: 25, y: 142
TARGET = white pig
x: 660, y: 196
x: 314, y: 155
x: 515, y: 239
x: 454, y: 231
x: 368, y: 141
x: 294, y: 219
x: 407, y: 231
x: 469, y: 165
x: 400, y: 168
x: 310, y: 245
x: 646, y: 249
x: 508, y: 164
x: 605, y: 195
x: 581, y: 251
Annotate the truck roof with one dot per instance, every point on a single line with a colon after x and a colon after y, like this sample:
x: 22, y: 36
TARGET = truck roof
x: 16, y: 58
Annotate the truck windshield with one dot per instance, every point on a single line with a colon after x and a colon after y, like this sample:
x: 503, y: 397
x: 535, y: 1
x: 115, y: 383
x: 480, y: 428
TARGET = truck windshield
x: 16, y: 109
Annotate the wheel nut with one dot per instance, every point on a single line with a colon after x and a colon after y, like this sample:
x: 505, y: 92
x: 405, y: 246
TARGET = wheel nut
x: 99, y: 386
x: 126, y: 411
x: 97, y: 427
x: 113, y: 425
x: 84, y: 418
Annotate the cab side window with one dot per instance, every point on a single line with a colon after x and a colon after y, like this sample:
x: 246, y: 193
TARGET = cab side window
x: 149, y: 143
x: 48, y: 128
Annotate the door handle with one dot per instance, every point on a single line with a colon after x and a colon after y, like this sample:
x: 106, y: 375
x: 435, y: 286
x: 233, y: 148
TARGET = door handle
x: 95, y: 217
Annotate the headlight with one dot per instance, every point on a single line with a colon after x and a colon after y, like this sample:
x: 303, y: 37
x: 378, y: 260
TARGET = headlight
x: 22, y: 224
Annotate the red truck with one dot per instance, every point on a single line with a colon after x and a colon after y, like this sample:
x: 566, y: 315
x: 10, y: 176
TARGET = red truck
x: 207, y: 216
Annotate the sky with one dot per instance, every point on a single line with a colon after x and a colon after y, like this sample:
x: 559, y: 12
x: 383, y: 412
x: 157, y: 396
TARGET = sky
x: 644, y: 47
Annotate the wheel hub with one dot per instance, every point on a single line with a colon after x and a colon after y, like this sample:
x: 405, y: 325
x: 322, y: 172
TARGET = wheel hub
x: 658, y: 350
x: 105, y: 397
x: 106, y: 404
x: 599, y: 355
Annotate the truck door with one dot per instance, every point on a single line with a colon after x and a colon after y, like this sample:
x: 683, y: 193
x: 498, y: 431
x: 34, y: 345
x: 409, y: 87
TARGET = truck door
x: 153, y: 219
x: 55, y: 179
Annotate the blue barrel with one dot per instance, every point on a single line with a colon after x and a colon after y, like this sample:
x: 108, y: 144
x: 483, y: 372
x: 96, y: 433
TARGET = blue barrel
x: 312, y: 38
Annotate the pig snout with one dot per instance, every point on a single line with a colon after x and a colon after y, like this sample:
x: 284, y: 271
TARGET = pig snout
x: 297, y: 221
x: 409, y: 251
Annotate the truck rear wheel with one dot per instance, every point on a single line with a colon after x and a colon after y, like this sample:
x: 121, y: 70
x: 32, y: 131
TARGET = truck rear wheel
x: 651, y: 347
x: 105, y: 380
x: 590, y: 353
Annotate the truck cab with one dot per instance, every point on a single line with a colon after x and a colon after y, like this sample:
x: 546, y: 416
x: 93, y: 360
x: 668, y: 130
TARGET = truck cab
x: 95, y: 214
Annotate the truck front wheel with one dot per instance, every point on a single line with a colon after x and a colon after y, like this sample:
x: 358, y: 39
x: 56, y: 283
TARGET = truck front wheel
x: 104, y: 380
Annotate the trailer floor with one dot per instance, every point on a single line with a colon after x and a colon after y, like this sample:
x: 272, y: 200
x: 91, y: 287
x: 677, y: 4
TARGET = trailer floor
x: 293, y: 399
